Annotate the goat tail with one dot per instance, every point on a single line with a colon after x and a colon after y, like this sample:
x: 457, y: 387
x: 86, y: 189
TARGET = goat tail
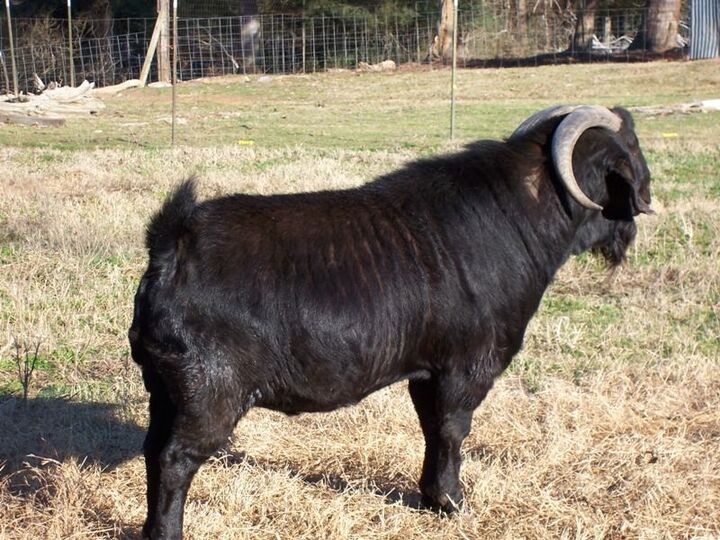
x: 168, y: 225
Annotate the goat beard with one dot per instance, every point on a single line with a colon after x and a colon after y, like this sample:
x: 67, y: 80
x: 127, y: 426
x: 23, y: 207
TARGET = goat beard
x: 615, y: 251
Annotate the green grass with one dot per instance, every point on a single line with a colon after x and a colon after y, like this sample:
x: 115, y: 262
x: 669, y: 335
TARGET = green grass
x: 686, y: 173
x: 409, y: 109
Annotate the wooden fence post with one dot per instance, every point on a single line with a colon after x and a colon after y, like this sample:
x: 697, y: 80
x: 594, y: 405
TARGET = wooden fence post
x: 163, y: 53
x: 12, y: 49
x: 152, y: 47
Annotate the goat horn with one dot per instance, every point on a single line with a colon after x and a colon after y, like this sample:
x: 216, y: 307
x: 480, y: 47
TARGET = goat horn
x: 543, y: 116
x: 563, y: 144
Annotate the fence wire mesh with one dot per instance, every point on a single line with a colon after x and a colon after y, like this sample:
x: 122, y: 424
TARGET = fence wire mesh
x: 109, y: 51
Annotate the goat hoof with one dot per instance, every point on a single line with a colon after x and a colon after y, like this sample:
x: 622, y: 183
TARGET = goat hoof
x: 444, y: 505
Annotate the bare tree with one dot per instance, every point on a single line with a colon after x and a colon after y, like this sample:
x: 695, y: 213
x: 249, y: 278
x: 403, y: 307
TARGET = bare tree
x: 25, y: 364
x: 658, y: 30
x: 584, y: 25
x: 522, y: 12
x: 442, y: 45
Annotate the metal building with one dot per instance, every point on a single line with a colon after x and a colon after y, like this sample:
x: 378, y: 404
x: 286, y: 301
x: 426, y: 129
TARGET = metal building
x: 704, y: 29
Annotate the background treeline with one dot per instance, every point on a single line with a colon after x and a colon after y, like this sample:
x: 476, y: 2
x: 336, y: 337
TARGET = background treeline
x: 99, y: 9
x: 215, y: 37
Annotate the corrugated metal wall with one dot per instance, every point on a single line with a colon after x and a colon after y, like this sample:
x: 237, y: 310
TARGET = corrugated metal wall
x: 704, y: 29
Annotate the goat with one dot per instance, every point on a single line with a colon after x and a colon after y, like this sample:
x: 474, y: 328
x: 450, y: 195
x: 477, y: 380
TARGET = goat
x: 309, y: 302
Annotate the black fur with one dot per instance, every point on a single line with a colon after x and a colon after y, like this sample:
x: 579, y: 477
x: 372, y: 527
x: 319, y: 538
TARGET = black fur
x: 312, y: 301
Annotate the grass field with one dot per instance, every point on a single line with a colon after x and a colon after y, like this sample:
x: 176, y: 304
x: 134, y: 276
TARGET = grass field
x: 607, y: 425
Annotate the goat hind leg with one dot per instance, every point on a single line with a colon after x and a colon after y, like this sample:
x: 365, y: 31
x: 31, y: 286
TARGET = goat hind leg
x: 192, y: 442
x: 162, y: 416
x: 179, y: 447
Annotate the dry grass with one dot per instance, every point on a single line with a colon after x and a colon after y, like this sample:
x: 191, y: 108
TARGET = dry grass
x: 606, y: 426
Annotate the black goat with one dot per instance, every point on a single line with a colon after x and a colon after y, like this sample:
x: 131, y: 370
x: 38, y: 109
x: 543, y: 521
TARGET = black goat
x: 310, y: 302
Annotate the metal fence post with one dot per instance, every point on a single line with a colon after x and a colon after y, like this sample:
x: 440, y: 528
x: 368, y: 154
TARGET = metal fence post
x: 304, y: 36
x: 12, y: 49
x: 5, y: 73
x: 174, y: 70
x: 70, y: 42
x: 454, y: 68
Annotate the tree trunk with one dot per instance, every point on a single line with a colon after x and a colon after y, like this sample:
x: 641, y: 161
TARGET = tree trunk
x: 658, y: 30
x: 442, y: 45
x: 584, y: 26
x: 249, y: 7
x: 163, y: 50
x: 522, y: 12
x: 521, y: 33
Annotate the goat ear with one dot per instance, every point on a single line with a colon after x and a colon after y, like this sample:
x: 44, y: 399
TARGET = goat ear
x: 627, y: 198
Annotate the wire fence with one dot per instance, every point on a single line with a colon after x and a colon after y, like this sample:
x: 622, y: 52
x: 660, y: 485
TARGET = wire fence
x: 109, y: 51
x: 291, y: 44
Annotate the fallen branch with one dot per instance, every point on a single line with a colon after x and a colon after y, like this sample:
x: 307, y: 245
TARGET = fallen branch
x: 25, y: 120
x: 385, y: 65
x: 68, y: 94
x: 682, y: 108
x: 110, y: 90
x: 38, y: 106
x: 50, y: 107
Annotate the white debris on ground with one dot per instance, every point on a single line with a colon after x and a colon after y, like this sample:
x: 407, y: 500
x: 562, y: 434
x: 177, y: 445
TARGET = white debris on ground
x: 707, y: 105
x: 116, y: 88
x: 386, y: 65
x: 51, y: 107
x: 168, y: 120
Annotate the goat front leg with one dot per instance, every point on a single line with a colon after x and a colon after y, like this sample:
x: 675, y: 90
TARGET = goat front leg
x: 445, y: 420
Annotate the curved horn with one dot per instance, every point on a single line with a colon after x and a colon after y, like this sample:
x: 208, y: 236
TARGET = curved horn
x: 542, y: 116
x: 563, y: 144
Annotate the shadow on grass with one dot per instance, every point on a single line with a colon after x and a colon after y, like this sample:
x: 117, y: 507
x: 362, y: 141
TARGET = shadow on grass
x: 40, y: 433
x: 578, y: 57
x: 383, y: 487
x: 379, y: 486
x: 52, y: 430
